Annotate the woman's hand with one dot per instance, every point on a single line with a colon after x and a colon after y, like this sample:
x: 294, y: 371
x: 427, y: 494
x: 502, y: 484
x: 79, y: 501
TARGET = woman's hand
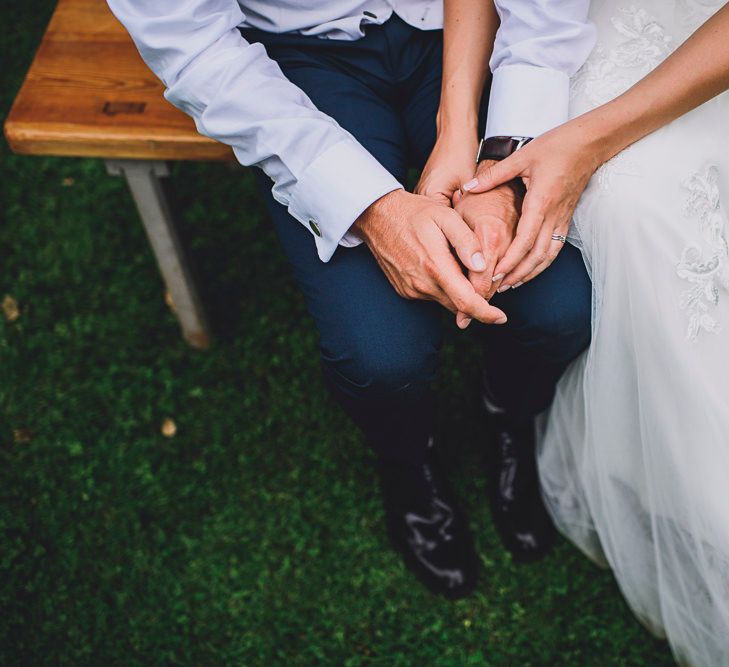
x: 555, y: 168
x: 452, y: 162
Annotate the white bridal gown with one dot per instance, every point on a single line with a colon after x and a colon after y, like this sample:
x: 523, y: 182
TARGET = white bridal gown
x: 634, y: 453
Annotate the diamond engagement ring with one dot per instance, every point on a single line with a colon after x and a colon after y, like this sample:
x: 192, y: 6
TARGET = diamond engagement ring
x: 559, y: 237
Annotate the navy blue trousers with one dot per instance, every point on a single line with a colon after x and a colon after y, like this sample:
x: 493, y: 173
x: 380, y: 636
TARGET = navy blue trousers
x: 379, y: 351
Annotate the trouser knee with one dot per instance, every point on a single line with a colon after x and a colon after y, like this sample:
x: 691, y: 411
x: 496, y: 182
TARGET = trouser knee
x: 378, y: 370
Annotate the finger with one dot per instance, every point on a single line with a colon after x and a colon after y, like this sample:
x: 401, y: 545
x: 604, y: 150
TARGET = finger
x: 462, y: 320
x: 536, y: 256
x: 457, y: 196
x: 494, y: 242
x: 439, y: 296
x: 496, y: 174
x: 554, y: 250
x: 482, y: 284
x: 463, y: 239
x: 461, y: 293
x: 433, y: 292
x: 538, y: 269
x: 481, y: 281
x: 527, y: 232
x: 437, y: 197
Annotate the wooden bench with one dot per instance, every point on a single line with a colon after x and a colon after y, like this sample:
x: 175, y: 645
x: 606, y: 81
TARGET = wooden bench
x: 89, y: 94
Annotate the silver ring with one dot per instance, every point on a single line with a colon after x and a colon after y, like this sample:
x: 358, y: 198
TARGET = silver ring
x: 559, y: 237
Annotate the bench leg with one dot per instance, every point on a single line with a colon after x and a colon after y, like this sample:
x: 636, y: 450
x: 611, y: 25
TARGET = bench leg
x: 142, y: 177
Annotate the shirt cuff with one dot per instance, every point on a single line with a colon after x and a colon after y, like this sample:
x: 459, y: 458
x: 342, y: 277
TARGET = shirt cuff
x: 527, y: 101
x: 335, y: 188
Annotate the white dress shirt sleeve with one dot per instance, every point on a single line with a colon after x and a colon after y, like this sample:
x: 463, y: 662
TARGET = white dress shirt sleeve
x: 237, y: 95
x: 539, y: 46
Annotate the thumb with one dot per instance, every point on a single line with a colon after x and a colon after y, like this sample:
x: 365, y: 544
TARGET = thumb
x: 495, y: 174
x: 440, y: 198
x: 463, y: 240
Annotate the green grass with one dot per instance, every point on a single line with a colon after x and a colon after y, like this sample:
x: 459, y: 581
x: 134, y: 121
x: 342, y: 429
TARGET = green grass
x: 253, y: 536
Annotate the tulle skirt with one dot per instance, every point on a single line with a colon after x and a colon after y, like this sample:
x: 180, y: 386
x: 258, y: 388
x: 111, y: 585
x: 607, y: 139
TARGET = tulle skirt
x: 634, y: 453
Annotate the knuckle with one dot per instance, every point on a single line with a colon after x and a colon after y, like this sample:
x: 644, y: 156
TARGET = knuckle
x: 419, y: 286
x: 464, y: 234
x: 542, y: 199
x: 463, y: 240
x: 408, y: 292
x: 481, y: 288
x: 493, y: 238
x: 450, y: 217
x: 430, y: 268
x: 460, y: 303
x: 525, y: 239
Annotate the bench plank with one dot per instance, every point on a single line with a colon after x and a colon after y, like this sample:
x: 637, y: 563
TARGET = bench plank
x: 89, y: 94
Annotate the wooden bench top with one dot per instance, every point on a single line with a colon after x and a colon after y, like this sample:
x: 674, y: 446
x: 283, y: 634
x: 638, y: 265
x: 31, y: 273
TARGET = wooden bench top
x: 88, y: 93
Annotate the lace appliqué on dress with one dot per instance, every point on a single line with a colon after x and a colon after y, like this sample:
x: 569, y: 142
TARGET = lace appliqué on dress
x: 706, y: 266
x: 610, y: 72
x: 692, y: 13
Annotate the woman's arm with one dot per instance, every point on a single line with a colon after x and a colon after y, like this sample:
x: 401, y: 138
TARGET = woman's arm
x: 469, y: 29
x: 697, y: 71
x: 557, y: 166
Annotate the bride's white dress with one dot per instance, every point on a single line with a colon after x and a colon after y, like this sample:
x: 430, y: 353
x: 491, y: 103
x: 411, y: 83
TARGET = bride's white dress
x: 634, y: 453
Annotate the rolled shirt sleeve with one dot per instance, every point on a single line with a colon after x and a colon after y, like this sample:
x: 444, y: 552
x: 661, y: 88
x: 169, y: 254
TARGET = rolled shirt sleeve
x: 237, y: 95
x: 540, y: 44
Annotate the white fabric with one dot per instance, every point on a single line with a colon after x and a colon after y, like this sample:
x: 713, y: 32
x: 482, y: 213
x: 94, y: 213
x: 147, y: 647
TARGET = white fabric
x: 539, y: 45
x: 541, y: 103
x: 634, y: 453
x: 239, y: 96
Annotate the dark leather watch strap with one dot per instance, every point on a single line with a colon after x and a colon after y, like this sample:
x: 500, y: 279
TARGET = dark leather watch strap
x: 498, y: 148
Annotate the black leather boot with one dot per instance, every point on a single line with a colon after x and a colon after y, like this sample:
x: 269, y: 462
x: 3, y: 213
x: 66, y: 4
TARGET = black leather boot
x: 427, y: 527
x: 516, y: 502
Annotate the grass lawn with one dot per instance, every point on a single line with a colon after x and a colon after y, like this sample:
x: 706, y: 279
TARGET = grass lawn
x: 254, y: 535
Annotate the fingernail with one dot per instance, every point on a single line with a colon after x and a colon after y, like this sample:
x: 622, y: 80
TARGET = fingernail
x: 470, y: 185
x: 479, y: 263
x: 464, y: 322
x: 501, y: 320
x: 517, y: 285
x: 503, y: 288
x: 497, y: 277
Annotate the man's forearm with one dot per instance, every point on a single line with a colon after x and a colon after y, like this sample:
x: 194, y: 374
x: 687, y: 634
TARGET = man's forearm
x: 237, y: 95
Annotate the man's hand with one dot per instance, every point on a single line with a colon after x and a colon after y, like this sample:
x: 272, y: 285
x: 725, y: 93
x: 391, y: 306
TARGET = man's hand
x: 411, y: 237
x: 493, y: 217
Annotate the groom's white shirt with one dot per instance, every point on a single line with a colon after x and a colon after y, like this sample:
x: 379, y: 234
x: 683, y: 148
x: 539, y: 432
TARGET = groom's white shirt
x: 239, y: 96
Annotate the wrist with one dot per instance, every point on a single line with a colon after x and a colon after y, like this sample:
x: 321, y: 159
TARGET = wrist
x: 376, y: 211
x: 484, y: 165
x: 515, y: 187
x: 456, y: 144
x: 607, y: 130
x: 454, y: 122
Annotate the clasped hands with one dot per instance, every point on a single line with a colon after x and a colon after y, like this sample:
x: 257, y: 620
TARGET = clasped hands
x: 462, y: 236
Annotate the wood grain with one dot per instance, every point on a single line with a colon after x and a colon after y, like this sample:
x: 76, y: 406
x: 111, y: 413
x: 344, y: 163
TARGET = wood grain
x: 88, y: 93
